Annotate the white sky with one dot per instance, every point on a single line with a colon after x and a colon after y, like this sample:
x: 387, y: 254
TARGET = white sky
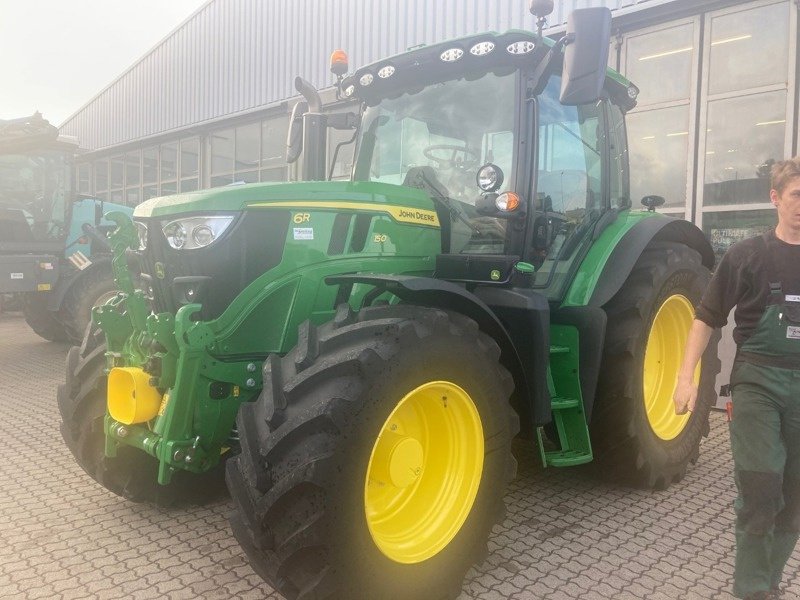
x: 55, y: 55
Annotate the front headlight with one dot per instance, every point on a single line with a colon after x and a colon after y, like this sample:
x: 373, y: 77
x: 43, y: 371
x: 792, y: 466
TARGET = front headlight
x: 191, y: 233
x: 141, y: 229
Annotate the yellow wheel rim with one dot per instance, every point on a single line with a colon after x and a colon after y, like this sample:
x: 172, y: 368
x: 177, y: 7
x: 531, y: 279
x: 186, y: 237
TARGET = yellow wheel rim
x: 662, y: 361
x: 424, y: 472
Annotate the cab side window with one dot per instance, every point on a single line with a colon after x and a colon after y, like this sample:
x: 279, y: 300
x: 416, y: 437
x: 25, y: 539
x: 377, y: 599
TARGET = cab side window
x: 619, y: 185
x: 569, y: 177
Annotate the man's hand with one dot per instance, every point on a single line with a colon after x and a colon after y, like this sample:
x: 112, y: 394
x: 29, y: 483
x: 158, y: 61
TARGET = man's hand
x: 684, y: 397
x: 685, y: 394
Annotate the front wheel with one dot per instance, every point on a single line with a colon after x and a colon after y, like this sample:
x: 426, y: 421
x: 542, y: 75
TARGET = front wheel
x: 132, y: 474
x: 637, y: 436
x: 374, y: 462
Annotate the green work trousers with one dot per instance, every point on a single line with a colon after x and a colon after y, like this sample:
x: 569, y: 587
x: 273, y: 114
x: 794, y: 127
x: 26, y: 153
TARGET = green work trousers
x: 765, y: 441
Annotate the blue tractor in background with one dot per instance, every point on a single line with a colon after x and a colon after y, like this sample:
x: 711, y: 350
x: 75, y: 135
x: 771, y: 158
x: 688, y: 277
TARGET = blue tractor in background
x: 55, y: 259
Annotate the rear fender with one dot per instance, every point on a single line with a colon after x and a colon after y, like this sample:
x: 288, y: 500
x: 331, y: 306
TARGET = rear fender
x: 630, y: 237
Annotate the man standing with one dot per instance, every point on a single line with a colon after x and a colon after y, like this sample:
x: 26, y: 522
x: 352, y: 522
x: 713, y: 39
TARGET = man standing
x: 761, y: 278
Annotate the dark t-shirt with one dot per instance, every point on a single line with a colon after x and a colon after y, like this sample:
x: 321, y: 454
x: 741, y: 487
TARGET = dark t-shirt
x: 742, y: 279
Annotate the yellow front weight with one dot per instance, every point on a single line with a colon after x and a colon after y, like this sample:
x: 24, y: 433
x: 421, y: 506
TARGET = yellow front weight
x: 424, y: 472
x: 131, y: 398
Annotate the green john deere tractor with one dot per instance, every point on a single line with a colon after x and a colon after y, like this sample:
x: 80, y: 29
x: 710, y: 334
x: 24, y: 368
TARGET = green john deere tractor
x: 359, y: 355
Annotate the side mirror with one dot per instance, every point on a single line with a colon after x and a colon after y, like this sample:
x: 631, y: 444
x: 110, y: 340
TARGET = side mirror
x: 294, y: 138
x: 586, y: 55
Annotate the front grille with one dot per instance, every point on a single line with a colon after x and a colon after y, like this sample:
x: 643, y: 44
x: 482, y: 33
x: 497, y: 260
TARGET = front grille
x: 252, y: 245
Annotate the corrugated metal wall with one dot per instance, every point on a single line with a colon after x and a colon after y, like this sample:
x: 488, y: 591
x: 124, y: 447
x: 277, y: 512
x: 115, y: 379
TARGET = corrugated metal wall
x: 233, y: 56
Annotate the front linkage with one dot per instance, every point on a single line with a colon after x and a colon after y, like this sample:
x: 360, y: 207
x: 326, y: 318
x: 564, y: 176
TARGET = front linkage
x: 154, y: 358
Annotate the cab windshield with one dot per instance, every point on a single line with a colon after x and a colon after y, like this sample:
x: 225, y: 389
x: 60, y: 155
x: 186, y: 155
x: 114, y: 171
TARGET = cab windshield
x: 442, y: 135
x: 33, y: 196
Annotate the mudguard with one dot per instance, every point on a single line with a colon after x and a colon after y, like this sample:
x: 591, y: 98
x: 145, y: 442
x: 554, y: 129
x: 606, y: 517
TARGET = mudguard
x: 630, y: 248
x: 531, y: 390
x: 618, y: 247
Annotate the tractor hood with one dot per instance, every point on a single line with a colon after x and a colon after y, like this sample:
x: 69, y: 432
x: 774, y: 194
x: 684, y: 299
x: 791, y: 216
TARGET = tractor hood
x: 406, y: 205
x: 265, y: 234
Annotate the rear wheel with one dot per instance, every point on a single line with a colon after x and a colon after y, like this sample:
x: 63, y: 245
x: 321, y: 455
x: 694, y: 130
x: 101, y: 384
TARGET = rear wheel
x: 374, y: 462
x: 132, y: 474
x: 43, y: 322
x: 636, y: 434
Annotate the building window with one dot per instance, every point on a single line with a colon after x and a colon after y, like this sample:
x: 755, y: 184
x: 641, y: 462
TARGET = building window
x: 101, y: 179
x: 748, y: 48
x: 169, y: 168
x: 662, y: 62
x: 273, y: 141
x: 273, y: 148
x: 133, y: 177
x: 249, y: 153
x: 222, y: 147
x: 116, y: 179
x: 248, y: 142
x: 169, y: 187
x: 745, y: 118
x: 738, y: 158
x: 659, y: 142
x: 84, y: 178
x: 724, y: 228
x: 190, y: 164
x: 149, y: 173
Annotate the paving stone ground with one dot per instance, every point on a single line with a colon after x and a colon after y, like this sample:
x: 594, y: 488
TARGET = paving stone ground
x: 566, y: 534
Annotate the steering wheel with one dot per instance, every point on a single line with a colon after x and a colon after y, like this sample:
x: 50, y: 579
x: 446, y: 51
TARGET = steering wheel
x: 469, y: 159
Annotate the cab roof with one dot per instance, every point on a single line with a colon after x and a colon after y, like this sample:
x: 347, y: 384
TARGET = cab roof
x: 466, y: 57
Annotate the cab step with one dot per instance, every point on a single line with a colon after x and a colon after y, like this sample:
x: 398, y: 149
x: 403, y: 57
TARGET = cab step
x: 573, y: 435
x: 563, y: 403
x: 569, y: 419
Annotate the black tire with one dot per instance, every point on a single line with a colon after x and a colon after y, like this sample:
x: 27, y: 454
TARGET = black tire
x: 44, y: 322
x: 625, y: 444
x: 132, y: 474
x: 299, y: 483
x: 10, y: 302
x: 88, y: 291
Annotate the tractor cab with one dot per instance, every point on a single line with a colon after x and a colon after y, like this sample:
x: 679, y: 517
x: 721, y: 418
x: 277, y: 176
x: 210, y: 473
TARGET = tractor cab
x: 35, y: 183
x: 520, y: 163
x: 52, y: 242
x: 35, y: 188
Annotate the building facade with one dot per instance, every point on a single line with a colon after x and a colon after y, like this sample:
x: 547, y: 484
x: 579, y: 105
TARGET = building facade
x: 210, y: 104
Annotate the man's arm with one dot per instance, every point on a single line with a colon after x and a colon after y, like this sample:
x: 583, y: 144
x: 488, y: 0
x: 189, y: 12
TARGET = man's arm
x: 685, y: 394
